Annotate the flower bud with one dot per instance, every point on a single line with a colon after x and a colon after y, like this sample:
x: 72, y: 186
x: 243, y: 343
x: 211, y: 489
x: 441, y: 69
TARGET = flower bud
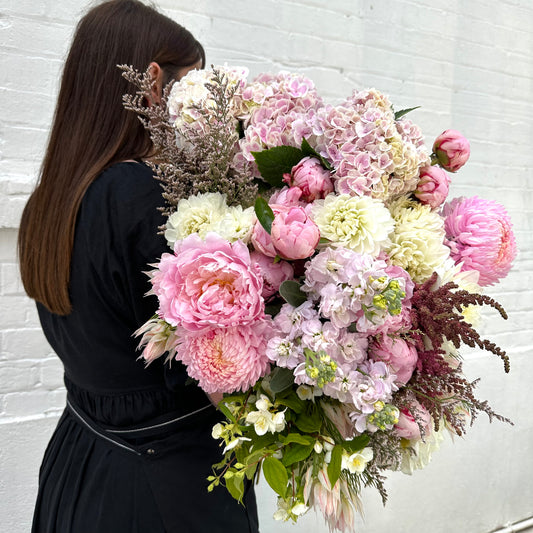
x: 452, y: 150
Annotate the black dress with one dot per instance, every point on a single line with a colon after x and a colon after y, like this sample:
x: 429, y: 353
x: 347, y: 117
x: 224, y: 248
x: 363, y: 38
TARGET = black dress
x: 132, y: 450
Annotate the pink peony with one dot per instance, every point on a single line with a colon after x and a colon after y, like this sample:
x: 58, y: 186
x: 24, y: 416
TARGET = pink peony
x: 452, y: 150
x: 311, y: 178
x: 287, y: 196
x: 226, y: 359
x: 206, y: 284
x: 274, y: 274
x: 433, y: 186
x: 398, y: 354
x: 294, y: 234
x: 480, y: 236
x: 412, y: 420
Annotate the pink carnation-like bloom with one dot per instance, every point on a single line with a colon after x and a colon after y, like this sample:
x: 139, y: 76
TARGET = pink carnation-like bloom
x: 398, y: 354
x: 311, y: 178
x: 226, y: 359
x: 274, y: 274
x: 206, y: 284
x: 433, y: 186
x: 452, y: 150
x: 480, y: 236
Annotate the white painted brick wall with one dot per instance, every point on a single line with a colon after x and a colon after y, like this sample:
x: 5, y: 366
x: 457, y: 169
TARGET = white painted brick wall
x: 468, y: 64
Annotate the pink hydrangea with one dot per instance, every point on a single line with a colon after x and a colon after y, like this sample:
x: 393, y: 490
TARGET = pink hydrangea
x: 226, y: 359
x: 211, y: 283
x: 480, y: 236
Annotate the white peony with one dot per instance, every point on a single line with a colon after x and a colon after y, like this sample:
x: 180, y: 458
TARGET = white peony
x: 362, y: 224
x: 417, y: 240
x: 417, y: 455
x: 197, y: 214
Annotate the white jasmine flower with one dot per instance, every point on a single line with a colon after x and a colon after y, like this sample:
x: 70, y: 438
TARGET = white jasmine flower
x: 278, y: 422
x: 234, y: 443
x: 264, y: 403
x: 417, y: 240
x: 217, y: 431
x: 361, y: 224
x: 357, y: 461
x: 262, y: 421
x: 304, y: 392
x: 197, y: 214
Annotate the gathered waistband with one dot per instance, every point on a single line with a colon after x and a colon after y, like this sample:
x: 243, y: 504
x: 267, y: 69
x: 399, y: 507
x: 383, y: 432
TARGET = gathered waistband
x: 113, y: 435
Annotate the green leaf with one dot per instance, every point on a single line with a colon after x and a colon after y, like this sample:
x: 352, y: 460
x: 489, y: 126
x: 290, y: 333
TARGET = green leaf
x: 282, y: 378
x: 297, y: 438
x: 276, y: 475
x: 235, y: 486
x: 291, y: 293
x: 275, y: 162
x: 402, y: 112
x: 225, y: 410
x: 274, y: 308
x: 294, y: 453
x: 262, y: 441
x: 309, y: 423
x: 356, y: 444
x: 264, y: 213
x: 334, y: 467
x: 293, y: 403
x: 308, y: 150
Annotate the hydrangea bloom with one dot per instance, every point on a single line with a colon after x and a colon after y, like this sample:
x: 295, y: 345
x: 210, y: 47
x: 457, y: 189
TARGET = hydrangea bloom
x: 479, y: 233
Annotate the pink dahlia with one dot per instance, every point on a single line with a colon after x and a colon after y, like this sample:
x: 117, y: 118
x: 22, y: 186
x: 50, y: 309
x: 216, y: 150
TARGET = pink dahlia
x: 226, y: 359
x: 480, y: 236
x: 206, y: 284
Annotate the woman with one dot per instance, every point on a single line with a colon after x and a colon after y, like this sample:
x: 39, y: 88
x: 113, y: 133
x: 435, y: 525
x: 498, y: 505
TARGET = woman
x: 133, y: 447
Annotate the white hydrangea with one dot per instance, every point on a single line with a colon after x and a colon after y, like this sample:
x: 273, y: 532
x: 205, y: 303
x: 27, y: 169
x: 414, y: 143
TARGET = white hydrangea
x: 197, y: 214
x: 362, y: 224
x: 417, y: 240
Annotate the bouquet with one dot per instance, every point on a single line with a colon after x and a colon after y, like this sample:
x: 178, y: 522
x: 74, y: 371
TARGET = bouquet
x: 320, y: 279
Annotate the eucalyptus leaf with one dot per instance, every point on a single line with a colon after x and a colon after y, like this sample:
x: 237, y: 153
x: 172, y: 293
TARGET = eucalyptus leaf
x: 264, y: 213
x: 334, y: 467
x: 294, y: 453
x: 282, y: 378
x: 276, y: 475
x: 275, y: 162
x: 291, y: 293
x: 402, y: 112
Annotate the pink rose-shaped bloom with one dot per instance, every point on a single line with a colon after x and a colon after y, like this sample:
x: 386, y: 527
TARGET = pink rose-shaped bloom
x: 274, y: 274
x: 410, y: 421
x: 287, y: 196
x: 309, y: 176
x: 452, y: 150
x: 480, y: 235
x: 398, y: 354
x: 433, y: 186
x: 206, y: 284
x: 294, y: 234
x: 226, y: 359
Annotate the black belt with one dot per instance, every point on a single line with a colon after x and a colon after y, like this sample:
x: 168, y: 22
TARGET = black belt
x: 113, y: 436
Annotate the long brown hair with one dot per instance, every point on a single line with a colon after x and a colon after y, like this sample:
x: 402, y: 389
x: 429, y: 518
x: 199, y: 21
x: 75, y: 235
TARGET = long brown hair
x: 91, y: 131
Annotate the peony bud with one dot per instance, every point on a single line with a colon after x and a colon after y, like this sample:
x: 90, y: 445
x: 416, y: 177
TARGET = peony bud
x: 311, y: 178
x: 452, y: 150
x: 433, y: 186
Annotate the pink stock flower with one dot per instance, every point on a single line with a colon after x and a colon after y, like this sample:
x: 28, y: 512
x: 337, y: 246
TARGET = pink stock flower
x: 412, y: 420
x: 433, y: 186
x: 452, y: 150
x: 226, y: 359
x: 207, y: 284
x: 294, y: 234
x: 309, y: 176
x: 480, y: 236
x: 398, y: 354
x: 274, y: 274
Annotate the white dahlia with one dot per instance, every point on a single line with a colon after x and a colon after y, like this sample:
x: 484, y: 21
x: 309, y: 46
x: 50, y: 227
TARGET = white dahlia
x: 237, y: 223
x: 417, y: 240
x: 197, y: 214
x: 362, y: 224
